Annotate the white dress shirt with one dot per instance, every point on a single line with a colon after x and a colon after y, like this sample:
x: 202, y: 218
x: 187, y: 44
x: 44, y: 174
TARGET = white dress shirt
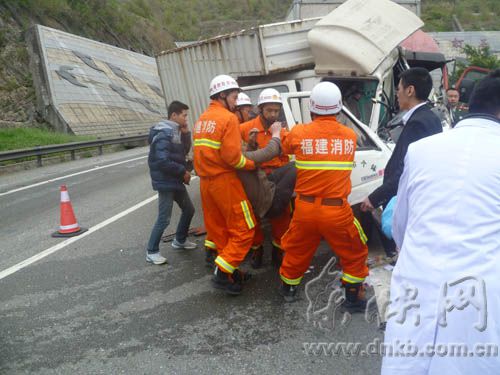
x: 447, y: 225
x: 408, y: 114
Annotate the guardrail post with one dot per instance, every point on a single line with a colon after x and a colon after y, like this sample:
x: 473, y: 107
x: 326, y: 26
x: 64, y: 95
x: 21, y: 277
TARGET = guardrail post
x: 100, y: 150
x: 73, y: 155
x: 38, y: 157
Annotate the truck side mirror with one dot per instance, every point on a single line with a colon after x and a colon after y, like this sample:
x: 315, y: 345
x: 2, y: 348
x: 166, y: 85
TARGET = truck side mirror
x: 465, y: 89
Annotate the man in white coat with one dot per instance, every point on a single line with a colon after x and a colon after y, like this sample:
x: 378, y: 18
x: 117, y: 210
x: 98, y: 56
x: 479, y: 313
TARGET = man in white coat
x: 444, y: 315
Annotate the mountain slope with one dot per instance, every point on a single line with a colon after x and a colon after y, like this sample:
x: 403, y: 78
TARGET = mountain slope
x: 144, y: 26
x: 151, y: 26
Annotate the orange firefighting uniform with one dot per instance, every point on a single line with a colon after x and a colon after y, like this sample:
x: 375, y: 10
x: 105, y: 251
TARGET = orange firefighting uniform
x: 228, y: 215
x: 279, y: 224
x: 324, y: 151
x: 208, y: 241
x: 211, y: 244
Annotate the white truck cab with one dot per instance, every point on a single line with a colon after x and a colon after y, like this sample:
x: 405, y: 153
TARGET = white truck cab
x: 371, y: 154
x: 355, y: 46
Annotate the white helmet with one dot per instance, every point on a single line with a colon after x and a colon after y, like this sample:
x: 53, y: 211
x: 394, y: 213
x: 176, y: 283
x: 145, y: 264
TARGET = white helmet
x: 221, y: 83
x: 269, y: 96
x: 243, y: 99
x: 325, y: 99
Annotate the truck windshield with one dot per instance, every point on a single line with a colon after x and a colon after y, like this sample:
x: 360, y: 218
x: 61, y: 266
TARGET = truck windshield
x: 357, y: 95
x: 363, y: 141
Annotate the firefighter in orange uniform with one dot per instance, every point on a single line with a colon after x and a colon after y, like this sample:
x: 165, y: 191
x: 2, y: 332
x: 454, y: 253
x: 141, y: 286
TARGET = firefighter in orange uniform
x: 269, y: 104
x: 244, y: 107
x: 243, y: 110
x: 227, y: 213
x: 324, y: 152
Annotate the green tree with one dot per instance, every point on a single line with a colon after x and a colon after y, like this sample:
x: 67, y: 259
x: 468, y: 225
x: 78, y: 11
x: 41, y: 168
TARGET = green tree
x: 476, y: 56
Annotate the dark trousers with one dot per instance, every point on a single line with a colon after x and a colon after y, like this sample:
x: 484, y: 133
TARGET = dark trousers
x: 166, y: 201
x: 388, y: 244
x: 284, y: 179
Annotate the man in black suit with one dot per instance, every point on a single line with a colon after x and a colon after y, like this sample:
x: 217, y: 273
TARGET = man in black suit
x: 414, y: 87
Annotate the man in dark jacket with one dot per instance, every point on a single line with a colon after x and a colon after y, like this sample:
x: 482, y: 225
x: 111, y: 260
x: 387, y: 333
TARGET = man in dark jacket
x: 414, y: 87
x: 456, y: 110
x: 170, y: 141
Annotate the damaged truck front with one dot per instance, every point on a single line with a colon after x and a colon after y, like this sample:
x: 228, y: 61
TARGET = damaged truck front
x: 355, y: 46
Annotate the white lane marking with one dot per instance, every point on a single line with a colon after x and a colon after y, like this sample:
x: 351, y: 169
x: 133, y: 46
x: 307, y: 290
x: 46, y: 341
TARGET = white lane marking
x: 70, y: 175
x: 53, y: 249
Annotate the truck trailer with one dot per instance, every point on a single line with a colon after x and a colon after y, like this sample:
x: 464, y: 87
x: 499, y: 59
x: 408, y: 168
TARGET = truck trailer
x: 354, y: 46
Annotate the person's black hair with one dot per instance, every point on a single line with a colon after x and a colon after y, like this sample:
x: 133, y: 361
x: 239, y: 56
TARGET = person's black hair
x: 420, y: 79
x: 452, y: 88
x: 176, y: 107
x: 485, y: 97
x: 217, y: 96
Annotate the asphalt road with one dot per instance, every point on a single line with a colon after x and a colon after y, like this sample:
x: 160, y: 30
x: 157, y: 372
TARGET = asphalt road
x: 95, y: 306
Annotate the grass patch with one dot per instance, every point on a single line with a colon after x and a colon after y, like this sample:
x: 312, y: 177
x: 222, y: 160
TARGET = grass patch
x: 472, y: 14
x: 19, y: 138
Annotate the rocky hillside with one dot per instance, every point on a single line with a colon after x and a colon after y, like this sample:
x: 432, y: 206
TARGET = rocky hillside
x: 145, y: 26
x: 473, y: 15
x: 150, y: 26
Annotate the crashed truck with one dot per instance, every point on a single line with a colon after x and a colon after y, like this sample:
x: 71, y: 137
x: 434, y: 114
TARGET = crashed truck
x: 354, y: 46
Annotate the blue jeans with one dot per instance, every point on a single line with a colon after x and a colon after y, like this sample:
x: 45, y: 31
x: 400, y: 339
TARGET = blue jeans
x: 165, y: 203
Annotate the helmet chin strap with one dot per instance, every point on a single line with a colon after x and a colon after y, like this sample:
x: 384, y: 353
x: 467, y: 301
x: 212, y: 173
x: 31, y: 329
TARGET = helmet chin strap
x: 226, y: 103
x: 239, y: 113
x: 267, y: 123
x: 234, y: 110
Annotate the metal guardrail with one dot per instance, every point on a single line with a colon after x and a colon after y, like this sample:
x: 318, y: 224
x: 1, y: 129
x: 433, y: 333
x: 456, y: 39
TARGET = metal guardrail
x: 40, y: 151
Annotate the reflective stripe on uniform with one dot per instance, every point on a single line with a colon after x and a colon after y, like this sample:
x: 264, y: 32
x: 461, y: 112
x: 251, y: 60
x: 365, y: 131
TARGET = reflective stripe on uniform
x: 361, y: 232
x: 224, y: 265
x: 210, y: 244
x: 324, y: 165
x: 291, y: 281
x: 207, y: 142
x: 241, y: 163
x: 247, y: 214
x: 352, y: 279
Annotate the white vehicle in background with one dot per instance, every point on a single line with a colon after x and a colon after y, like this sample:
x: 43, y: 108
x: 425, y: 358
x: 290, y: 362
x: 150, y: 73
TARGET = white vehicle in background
x: 354, y: 46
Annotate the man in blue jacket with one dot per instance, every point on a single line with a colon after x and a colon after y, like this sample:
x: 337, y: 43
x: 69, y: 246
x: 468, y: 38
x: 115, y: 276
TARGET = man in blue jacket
x: 170, y: 141
x: 414, y: 87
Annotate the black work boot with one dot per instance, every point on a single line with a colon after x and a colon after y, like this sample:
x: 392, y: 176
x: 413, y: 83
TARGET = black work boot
x: 210, y: 255
x: 277, y: 256
x: 238, y: 278
x: 289, y: 292
x: 355, y: 301
x: 257, y: 255
x: 231, y: 283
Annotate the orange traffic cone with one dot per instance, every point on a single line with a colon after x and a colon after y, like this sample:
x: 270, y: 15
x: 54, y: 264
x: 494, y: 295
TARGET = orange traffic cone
x: 69, y: 226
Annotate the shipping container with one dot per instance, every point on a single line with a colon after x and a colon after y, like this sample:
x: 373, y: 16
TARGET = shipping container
x: 268, y: 49
x: 318, y: 8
